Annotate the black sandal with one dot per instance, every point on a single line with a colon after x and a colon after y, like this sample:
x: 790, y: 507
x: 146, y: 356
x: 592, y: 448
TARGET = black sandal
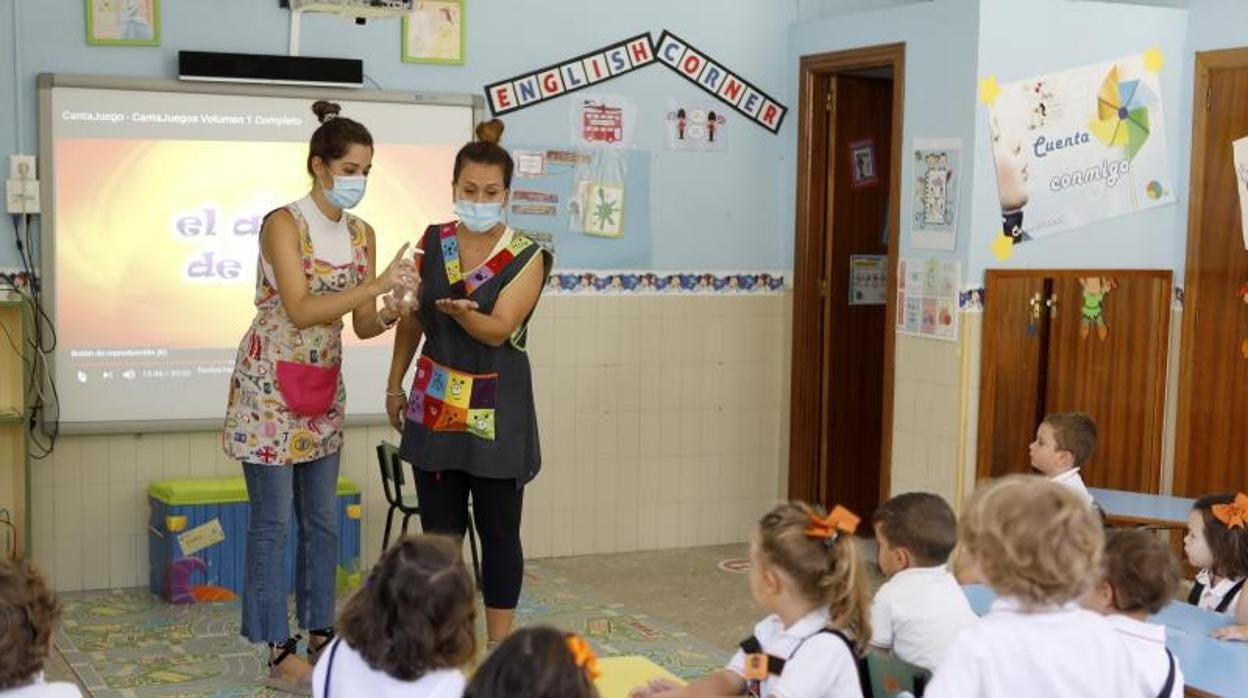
x: 301, y: 686
x: 327, y: 636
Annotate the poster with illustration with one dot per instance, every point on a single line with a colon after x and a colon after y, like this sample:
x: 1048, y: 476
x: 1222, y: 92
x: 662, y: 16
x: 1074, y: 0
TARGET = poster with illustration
x: 1240, y: 149
x: 868, y: 279
x: 695, y: 126
x: 934, y: 222
x: 434, y: 32
x: 862, y: 164
x: 602, y: 121
x: 1077, y: 147
x: 927, y: 297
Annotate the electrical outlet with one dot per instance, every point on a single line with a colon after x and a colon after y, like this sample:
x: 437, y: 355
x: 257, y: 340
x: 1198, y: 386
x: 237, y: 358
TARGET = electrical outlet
x: 22, y: 167
x: 22, y: 196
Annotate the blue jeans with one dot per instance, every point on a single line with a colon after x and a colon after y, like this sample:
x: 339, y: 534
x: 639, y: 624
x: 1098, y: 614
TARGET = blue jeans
x: 312, y: 489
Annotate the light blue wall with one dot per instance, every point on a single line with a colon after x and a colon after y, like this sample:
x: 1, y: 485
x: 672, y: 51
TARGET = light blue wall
x: 940, y: 38
x: 708, y: 210
x: 1019, y: 39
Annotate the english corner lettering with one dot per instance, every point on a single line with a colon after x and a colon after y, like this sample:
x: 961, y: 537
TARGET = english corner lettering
x: 612, y: 61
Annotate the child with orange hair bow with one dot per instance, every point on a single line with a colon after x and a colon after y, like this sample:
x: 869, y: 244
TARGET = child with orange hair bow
x: 537, y: 662
x: 806, y: 571
x: 1217, y: 544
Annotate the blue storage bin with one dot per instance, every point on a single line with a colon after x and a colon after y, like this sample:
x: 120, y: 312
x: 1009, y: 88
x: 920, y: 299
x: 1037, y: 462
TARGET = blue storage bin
x: 197, y: 538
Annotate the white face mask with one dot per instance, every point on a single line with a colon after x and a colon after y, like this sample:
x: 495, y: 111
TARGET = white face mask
x: 348, y: 191
x: 479, y: 217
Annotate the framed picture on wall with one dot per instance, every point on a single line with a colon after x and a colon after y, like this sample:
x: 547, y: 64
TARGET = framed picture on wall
x: 862, y: 164
x: 123, y: 22
x: 434, y: 33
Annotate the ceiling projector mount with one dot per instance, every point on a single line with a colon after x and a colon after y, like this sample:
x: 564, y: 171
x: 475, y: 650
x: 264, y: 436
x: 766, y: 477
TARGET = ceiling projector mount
x: 361, y: 10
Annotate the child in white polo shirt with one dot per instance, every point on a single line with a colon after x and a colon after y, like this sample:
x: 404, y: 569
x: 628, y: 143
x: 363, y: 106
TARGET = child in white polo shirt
x: 921, y: 609
x: 1064, y: 442
x: 1140, y: 576
x: 1039, y: 547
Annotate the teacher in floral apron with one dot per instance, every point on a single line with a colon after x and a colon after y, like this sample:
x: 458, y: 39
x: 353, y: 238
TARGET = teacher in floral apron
x: 469, y: 424
x: 285, y: 411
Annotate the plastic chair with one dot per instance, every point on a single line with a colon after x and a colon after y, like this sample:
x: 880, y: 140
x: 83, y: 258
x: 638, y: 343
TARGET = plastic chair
x: 893, y: 678
x: 393, y: 481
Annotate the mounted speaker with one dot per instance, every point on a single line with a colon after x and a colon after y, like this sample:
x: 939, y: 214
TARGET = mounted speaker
x: 208, y: 66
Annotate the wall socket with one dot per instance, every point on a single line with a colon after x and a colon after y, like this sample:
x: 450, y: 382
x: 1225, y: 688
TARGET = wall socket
x: 22, y: 167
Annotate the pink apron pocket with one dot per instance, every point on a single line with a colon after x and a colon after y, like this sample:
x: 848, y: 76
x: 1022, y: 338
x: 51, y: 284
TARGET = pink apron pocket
x: 307, y: 389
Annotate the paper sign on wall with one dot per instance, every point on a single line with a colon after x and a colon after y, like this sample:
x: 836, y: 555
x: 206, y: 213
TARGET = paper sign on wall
x: 1079, y: 146
x: 934, y: 222
x: 713, y: 77
x: 595, y: 67
x: 200, y: 537
x: 927, y: 297
x: 1240, y: 148
x: 694, y: 126
x: 868, y: 279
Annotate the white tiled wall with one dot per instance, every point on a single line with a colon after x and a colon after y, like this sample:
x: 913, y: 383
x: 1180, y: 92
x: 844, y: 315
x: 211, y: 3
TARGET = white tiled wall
x: 664, y: 424
x: 927, y: 415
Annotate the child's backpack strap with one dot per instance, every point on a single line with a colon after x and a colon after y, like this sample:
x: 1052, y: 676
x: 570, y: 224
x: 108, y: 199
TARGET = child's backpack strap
x: 860, y: 662
x: 329, y: 668
x: 1169, y: 685
x: 775, y: 665
x: 1225, y: 603
x: 1194, y: 597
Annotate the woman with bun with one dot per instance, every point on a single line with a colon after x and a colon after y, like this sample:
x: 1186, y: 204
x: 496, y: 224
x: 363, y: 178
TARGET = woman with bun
x: 468, y: 421
x: 284, y: 414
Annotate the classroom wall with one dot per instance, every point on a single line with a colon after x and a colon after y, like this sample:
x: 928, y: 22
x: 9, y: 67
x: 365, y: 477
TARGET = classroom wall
x: 708, y: 210
x: 662, y: 416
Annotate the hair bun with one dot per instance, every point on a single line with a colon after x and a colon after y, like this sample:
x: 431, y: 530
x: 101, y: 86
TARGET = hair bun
x: 490, y: 131
x: 325, y: 110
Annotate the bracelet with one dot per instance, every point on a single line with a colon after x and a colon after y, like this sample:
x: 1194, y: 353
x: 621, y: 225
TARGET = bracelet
x: 395, y: 393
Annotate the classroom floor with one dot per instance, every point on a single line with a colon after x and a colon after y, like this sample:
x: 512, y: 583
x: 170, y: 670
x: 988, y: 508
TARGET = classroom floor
x: 681, y: 608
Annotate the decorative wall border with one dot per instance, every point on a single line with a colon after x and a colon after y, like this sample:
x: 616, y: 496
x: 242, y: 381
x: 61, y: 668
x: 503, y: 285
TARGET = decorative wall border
x: 653, y: 283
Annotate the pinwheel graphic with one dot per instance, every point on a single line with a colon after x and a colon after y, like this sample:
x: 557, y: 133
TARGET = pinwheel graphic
x: 1122, y: 113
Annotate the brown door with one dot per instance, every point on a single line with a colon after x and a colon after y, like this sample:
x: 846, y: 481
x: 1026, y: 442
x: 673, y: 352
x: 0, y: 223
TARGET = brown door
x: 1113, y: 369
x: 1211, y: 450
x: 860, y: 134
x: 1011, y: 397
x: 1041, y: 356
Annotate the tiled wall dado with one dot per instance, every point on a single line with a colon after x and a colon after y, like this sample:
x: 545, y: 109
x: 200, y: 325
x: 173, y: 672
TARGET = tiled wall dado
x: 662, y: 420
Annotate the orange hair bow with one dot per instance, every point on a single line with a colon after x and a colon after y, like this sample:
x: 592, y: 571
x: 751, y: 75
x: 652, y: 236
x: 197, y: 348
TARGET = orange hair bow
x: 1235, y: 514
x: 831, y: 526
x: 584, y: 656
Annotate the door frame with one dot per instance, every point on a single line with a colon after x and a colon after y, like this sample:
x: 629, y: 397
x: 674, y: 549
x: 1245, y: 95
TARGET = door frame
x: 1206, y: 62
x: 808, y: 395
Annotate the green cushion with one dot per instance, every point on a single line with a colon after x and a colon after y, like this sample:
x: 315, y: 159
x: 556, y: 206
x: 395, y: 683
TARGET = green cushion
x: 215, y: 490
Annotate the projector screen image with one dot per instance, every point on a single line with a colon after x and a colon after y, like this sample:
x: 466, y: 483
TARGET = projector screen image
x: 156, y: 229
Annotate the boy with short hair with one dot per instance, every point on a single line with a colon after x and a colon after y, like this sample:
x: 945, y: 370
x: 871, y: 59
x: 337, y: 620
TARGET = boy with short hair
x: 921, y: 609
x: 29, y: 612
x: 1064, y: 442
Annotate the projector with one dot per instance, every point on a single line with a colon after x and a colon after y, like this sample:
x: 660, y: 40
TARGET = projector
x: 361, y: 9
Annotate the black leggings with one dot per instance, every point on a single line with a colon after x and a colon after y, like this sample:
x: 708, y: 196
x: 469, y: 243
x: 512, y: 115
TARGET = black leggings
x: 496, y: 506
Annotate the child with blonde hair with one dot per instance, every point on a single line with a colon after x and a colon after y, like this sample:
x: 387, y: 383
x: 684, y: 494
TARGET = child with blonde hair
x: 1217, y: 544
x: 1038, y: 546
x: 408, y: 630
x: 537, y: 662
x: 1139, y: 575
x: 806, y: 570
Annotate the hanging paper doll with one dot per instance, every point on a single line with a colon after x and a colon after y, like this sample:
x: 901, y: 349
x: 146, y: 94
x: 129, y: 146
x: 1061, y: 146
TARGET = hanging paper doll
x: 1243, y: 296
x: 1095, y: 289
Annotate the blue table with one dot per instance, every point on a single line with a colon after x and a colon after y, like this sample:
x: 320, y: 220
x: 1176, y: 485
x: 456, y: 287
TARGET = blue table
x: 1137, y: 508
x: 1211, y: 667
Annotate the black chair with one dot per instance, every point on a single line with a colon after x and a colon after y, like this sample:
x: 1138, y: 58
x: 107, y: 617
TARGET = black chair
x: 393, y: 481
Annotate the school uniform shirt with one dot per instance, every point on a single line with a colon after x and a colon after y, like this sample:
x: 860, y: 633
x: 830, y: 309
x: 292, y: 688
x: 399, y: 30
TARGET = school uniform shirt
x: 352, y: 677
x: 1213, y: 594
x: 918, y: 613
x: 817, y: 664
x: 1072, y: 479
x: 1062, y: 651
x: 39, y: 688
x: 1147, y: 643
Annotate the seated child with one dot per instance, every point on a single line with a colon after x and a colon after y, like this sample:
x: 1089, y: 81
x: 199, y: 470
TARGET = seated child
x: 538, y: 662
x: 29, y: 612
x: 1064, y: 442
x: 919, y: 611
x: 806, y: 571
x: 1217, y: 543
x: 1139, y: 577
x: 408, y: 630
x: 1039, y: 547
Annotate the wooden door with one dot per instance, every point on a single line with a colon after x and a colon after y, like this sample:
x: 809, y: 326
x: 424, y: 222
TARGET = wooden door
x: 1011, y: 402
x: 854, y: 334
x: 1113, y: 369
x: 1211, y: 450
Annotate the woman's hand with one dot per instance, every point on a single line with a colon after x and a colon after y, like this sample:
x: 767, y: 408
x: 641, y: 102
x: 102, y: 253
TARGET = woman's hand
x: 1232, y: 632
x: 396, y: 405
x: 457, y: 308
x: 400, y: 271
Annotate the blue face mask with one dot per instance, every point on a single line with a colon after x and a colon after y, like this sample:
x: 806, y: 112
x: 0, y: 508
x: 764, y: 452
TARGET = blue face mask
x: 348, y: 191
x: 479, y: 217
